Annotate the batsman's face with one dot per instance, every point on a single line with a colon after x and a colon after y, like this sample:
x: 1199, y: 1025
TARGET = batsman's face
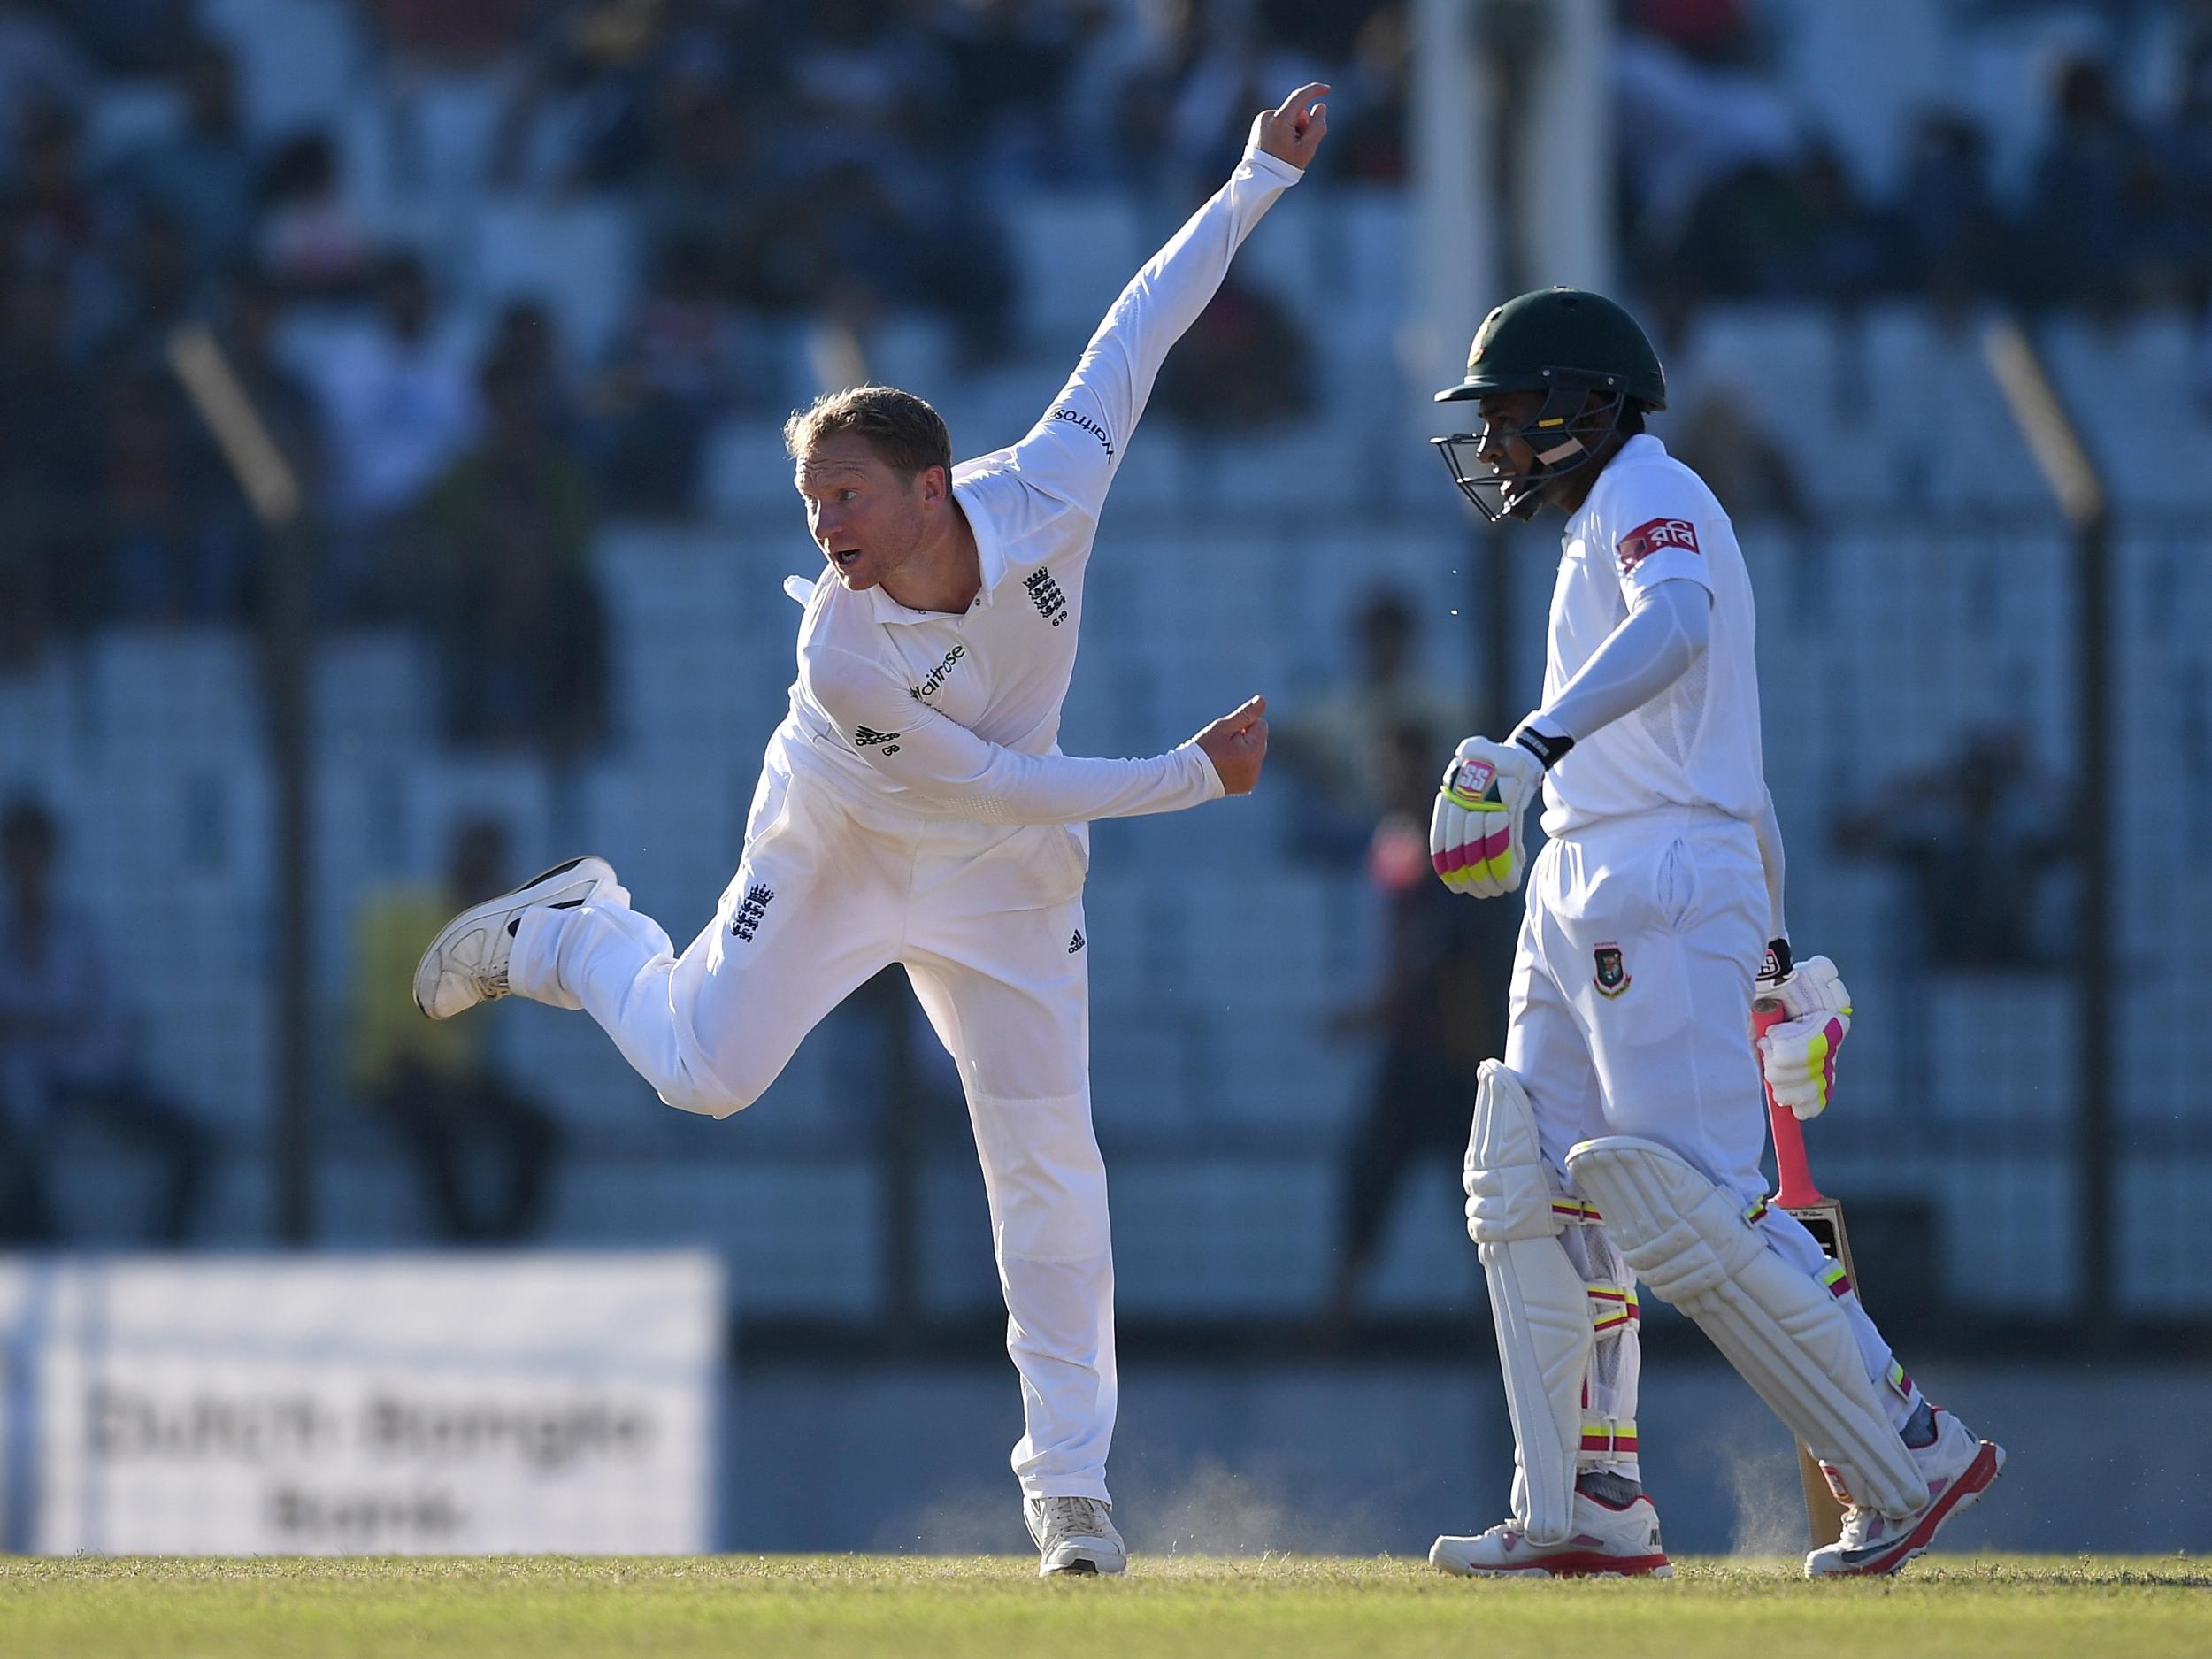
x: 1504, y: 451
x: 867, y: 518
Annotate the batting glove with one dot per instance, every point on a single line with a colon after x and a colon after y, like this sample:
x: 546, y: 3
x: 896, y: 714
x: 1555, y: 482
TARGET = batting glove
x: 1475, y: 836
x: 1798, y: 1054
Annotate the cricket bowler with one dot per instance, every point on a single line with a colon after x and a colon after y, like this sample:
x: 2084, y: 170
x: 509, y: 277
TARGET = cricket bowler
x: 1619, y: 1138
x: 914, y: 807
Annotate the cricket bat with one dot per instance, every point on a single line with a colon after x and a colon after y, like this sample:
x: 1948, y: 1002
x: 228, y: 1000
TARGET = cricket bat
x: 1823, y: 1218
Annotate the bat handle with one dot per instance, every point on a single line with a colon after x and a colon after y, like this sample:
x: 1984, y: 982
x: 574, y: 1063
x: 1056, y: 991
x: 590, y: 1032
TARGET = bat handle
x: 1797, y: 1189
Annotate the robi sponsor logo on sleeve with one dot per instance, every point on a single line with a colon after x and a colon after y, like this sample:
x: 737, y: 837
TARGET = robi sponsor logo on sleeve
x: 1647, y: 539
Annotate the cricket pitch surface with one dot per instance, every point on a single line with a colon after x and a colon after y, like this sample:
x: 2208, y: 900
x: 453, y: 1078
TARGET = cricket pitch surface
x: 915, y: 1607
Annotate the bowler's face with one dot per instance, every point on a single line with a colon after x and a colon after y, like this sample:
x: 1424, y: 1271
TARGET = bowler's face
x: 866, y: 516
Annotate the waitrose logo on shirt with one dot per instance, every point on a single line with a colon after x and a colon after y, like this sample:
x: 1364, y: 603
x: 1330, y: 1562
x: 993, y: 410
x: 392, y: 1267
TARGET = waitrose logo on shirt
x: 937, y: 675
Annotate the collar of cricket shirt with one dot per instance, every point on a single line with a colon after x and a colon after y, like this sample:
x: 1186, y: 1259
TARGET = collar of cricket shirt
x: 990, y: 557
x: 1636, y: 449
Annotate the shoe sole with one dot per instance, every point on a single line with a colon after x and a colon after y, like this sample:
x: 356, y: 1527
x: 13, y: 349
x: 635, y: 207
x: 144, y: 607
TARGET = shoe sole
x: 1568, y: 1564
x: 1979, y: 1476
x: 477, y: 913
x: 1085, y: 1566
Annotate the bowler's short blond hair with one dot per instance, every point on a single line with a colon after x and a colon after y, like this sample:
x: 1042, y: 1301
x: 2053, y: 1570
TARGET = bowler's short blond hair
x: 905, y: 433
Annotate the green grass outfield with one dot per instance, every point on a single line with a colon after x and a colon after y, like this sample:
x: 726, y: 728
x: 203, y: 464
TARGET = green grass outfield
x: 994, y: 1607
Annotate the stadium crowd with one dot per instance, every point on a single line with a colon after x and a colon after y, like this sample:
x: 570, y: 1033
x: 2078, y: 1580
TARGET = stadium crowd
x: 838, y: 158
x: 782, y: 164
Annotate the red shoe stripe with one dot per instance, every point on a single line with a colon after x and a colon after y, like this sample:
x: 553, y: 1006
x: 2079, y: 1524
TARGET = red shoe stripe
x: 1581, y: 1563
x: 1975, y: 1479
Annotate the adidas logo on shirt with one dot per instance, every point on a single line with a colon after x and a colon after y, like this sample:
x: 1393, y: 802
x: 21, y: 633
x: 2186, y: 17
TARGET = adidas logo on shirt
x: 868, y: 737
x: 1076, y: 943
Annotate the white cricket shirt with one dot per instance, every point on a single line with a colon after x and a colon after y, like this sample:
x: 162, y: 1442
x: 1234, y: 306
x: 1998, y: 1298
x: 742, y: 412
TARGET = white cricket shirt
x: 941, y: 714
x: 1650, y: 519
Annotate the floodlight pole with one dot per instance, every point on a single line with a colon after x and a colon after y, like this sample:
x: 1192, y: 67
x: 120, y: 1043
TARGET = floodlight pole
x: 271, y: 488
x: 290, y: 625
x: 2072, y: 473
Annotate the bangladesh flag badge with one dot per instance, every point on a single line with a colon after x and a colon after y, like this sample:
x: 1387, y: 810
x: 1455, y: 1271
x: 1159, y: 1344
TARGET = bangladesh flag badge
x: 1611, y: 978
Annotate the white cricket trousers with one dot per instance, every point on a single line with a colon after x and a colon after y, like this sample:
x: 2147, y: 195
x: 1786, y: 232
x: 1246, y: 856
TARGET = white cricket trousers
x: 1630, y: 1015
x: 987, y: 919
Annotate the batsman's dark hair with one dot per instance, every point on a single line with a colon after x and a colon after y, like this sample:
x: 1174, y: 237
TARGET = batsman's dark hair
x: 906, y: 433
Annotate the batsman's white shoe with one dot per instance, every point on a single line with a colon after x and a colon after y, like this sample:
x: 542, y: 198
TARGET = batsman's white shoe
x: 466, y: 963
x: 1608, y: 1540
x: 1074, y: 1535
x: 1959, y: 1468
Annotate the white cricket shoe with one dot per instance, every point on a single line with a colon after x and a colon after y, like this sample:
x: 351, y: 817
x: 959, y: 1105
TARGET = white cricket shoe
x: 466, y: 963
x: 1959, y: 1468
x: 1073, y: 1535
x: 1608, y: 1540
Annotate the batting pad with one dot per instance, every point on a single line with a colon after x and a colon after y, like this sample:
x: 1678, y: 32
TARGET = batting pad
x: 1537, y: 1301
x: 1782, y: 1331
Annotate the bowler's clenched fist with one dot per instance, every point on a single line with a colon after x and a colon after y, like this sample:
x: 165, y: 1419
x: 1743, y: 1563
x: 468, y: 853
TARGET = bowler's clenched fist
x: 1237, y: 745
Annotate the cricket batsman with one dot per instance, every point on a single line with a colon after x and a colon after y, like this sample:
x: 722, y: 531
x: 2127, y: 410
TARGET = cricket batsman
x: 1619, y: 1138
x: 914, y: 807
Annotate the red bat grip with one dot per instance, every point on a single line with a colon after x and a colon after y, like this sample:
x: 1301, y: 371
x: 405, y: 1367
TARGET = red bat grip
x: 1797, y: 1189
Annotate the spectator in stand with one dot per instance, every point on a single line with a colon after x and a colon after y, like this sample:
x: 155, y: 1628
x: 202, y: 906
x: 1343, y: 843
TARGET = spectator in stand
x: 525, y: 344
x: 246, y: 327
x: 167, y: 561
x: 1372, y: 147
x: 1241, y: 367
x: 158, y: 288
x: 1725, y: 440
x: 588, y: 110
x: 1125, y: 61
x: 1971, y: 837
x: 214, y: 574
x: 51, y: 467
x: 41, y: 68
x: 677, y: 370
x: 48, y: 216
x: 438, y: 34
x: 483, y: 1151
x: 312, y: 245
x: 517, y: 610
x: 206, y: 178
x: 2085, y: 209
x: 2184, y: 151
x: 398, y: 411
x: 1328, y: 737
x: 868, y: 89
x: 1718, y: 34
x: 1699, y: 121
x: 1237, y: 62
x: 1435, y: 1012
x: 707, y: 185
x: 65, y: 1047
x: 1843, y: 251
x: 1010, y: 60
x: 1951, y: 232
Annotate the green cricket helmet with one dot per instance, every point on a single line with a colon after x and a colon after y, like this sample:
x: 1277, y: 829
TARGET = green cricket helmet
x: 1566, y: 344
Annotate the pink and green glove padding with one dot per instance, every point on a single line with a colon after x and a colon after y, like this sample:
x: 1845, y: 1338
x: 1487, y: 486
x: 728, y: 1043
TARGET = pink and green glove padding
x: 1475, y: 836
x: 1798, y: 1054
